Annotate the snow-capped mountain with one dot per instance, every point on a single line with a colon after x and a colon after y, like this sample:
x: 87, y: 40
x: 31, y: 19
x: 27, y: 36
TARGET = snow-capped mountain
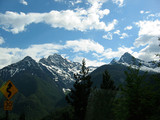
x: 62, y: 70
x: 55, y: 66
x: 128, y: 60
x: 11, y: 70
x: 59, y: 69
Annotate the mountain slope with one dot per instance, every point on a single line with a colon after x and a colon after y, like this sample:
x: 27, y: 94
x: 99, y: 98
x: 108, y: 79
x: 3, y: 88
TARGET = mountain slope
x: 41, y: 84
x: 39, y: 92
x: 127, y: 59
x: 116, y: 69
x: 62, y: 70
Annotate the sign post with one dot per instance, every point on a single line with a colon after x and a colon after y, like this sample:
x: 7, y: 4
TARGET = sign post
x: 8, y: 90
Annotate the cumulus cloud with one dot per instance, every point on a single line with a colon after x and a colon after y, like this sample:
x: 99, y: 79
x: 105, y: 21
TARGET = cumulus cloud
x: 23, y: 2
x: 144, y: 12
x: 11, y: 55
x: 108, y: 36
x: 75, y: 2
x: 148, y: 38
x: 153, y: 15
x: 120, y: 3
x: 109, y: 53
x: 78, y: 19
x: 124, y: 35
x: 85, y: 45
x: 89, y: 62
x: 117, y: 32
x: 149, y: 30
x: 128, y: 28
x: 1, y: 40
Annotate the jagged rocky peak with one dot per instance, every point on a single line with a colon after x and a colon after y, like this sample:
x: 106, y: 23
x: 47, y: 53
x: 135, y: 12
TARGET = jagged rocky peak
x: 126, y: 57
x: 54, y: 59
x: 58, y: 61
x: 113, y: 61
x: 55, y: 56
x: 28, y: 61
x: 28, y: 58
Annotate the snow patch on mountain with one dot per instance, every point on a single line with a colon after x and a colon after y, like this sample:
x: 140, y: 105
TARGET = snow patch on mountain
x: 128, y: 60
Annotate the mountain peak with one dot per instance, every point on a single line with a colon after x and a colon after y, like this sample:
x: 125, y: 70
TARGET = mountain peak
x: 126, y: 54
x: 113, y: 61
x: 55, y: 56
x: 27, y: 61
x: 27, y: 58
x: 126, y: 57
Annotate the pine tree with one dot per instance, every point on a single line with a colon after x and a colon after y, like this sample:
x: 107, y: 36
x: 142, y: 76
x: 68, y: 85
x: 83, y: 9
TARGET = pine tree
x: 107, y: 83
x: 22, y: 116
x: 78, y: 97
x: 135, y: 98
x: 101, y: 100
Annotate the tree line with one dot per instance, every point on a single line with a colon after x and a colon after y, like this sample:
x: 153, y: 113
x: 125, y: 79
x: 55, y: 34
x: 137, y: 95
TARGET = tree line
x: 136, y: 99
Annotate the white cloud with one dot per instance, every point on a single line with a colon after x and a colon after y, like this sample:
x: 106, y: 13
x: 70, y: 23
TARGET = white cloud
x: 144, y: 12
x: 128, y: 28
x: 148, y: 39
x: 78, y: 19
x: 23, y: 2
x: 109, y: 53
x: 88, y: 62
x: 148, y: 30
x: 1, y: 40
x: 108, y: 36
x: 154, y: 15
x: 141, y: 11
x: 58, y: 0
x: 11, y: 55
x: 85, y: 45
x: 75, y: 2
x: 124, y: 35
x: 120, y: 3
x: 111, y: 25
x: 42, y: 50
x: 147, y: 12
x: 78, y: 1
x: 117, y: 32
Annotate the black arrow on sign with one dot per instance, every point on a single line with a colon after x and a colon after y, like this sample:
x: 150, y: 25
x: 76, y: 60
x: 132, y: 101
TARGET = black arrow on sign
x: 9, y: 87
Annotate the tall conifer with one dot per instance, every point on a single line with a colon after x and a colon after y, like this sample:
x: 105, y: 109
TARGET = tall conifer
x: 78, y: 97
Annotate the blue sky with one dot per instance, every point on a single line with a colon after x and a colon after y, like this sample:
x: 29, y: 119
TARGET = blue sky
x: 98, y: 30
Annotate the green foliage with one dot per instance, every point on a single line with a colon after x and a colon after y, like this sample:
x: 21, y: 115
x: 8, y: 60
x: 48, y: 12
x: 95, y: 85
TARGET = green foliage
x: 107, y: 83
x: 22, y: 117
x: 65, y: 113
x: 116, y: 72
x: 78, y: 97
x: 137, y: 98
x: 36, y: 97
x: 101, y: 100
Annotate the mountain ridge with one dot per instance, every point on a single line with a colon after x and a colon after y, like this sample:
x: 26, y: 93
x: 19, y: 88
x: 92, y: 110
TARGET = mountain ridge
x: 129, y: 60
x: 49, y: 79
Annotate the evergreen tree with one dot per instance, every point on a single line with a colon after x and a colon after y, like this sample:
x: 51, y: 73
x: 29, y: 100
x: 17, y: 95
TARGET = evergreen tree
x: 158, y: 54
x: 107, y: 83
x: 135, y: 98
x: 78, y: 97
x: 101, y: 100
x: 22, y: 116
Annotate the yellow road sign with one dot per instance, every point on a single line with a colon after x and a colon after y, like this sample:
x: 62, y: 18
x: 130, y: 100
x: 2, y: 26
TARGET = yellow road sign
x: 8, y: 105
x: 8, y: 89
